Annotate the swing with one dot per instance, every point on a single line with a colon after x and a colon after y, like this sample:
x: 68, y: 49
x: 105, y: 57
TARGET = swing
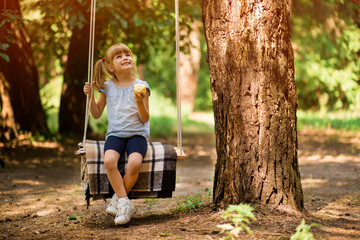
x: 158, y: 170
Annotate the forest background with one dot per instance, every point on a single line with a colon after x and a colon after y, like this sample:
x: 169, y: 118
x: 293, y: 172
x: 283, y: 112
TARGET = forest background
x: 325, y: 37
x: 44, y: 64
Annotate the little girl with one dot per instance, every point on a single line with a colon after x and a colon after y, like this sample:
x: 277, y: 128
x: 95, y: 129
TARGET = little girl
x: 128, y: 129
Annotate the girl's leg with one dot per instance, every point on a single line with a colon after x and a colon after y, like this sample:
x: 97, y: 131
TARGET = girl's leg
x: 132, y: 170
x: 120, y: 206
x: 136, y: 148
x: 111, y: 158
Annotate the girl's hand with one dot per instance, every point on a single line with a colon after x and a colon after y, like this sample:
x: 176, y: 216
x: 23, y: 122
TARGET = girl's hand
x: 88, y: 88
x: 139, y: 97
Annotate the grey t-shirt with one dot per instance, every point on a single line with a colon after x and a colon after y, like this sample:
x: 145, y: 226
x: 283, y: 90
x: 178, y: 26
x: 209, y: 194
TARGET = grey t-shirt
x: 122, y: 111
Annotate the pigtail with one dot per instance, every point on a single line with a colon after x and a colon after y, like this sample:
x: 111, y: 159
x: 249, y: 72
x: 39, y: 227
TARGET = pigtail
x: 99, y: 74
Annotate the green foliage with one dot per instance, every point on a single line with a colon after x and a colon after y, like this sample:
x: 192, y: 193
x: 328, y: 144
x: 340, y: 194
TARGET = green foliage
x: 239, y: 215
x: 162, y: 115
x: 141, y: 25
x: 162, y: 126
x: 355, y: 197
x: 40, y: 137
x: 160, y: 73
x: 3, y: 47
x: 165, y: 234
x: 303, y: 232
x: 50, y: 98
x: 137, y: 24
x: 163, y: 118
x: 6, y: 34
x: 189, y: 202
x: 99, y: 125
x: 49, y: 26
x: 327, y: 54
x: 147, y: 27
x: 160, y: 70
x: 151, y: 202
x: 345, y: 120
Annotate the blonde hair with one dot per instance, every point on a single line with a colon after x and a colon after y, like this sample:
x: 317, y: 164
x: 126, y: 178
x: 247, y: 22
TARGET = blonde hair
x: 102, y: 73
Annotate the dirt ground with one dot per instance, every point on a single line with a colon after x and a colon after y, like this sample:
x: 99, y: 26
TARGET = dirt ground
x: 41, y: 195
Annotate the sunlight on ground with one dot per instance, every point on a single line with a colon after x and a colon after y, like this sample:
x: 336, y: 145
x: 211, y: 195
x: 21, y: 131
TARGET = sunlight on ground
x: 39, y: 202
x: 49, y: 191
x: 315, y: 159
x: 311, y: 183
x: 28, y: 182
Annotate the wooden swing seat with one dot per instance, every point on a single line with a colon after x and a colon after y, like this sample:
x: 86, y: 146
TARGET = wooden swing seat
x: 157, y: 177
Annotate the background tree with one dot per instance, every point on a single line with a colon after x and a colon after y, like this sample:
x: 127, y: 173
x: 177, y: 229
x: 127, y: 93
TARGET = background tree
x: 190, y: 56
x: 72, y: 104
x: 20, y: 103
x: 254, y: 96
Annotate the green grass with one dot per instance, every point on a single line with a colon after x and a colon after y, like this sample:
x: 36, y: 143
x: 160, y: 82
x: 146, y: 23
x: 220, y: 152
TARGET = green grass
x: 344, y: 120
x: 189, y: 202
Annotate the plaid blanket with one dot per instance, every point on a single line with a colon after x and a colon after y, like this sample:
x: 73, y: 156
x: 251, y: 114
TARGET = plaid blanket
x: 156, y: 178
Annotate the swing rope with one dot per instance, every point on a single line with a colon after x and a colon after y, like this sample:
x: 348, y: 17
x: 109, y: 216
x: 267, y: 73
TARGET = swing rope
x: 179, y: 150
x: 90, y: 68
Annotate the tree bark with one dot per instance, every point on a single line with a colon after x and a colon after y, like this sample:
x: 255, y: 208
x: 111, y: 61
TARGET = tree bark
x: 21, y: 107
x: 254, y: 98
x: 73, y: 101
x: 8, y: 127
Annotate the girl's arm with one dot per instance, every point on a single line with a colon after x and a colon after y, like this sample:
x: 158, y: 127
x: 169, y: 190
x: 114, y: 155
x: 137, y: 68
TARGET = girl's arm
x: 142, y: 102
x: 96, y: 108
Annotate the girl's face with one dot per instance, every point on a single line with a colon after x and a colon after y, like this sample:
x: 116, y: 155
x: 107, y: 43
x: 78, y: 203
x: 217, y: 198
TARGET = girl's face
x: 121, y: 62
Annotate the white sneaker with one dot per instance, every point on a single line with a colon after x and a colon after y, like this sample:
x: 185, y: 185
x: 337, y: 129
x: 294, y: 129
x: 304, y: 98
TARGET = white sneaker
x: 111, y: 208
x: 125, y: 211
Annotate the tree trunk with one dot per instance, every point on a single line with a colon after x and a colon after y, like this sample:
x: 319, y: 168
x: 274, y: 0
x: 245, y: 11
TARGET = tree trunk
x: 254, y: 99
x: 141, y: 69
x: 21, y: 107
x: 190, y: 66
x: 73, y: 100
x: 8, y: 127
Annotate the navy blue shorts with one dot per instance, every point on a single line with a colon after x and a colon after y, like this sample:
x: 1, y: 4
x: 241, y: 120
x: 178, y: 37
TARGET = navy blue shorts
x: 133, y: 144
